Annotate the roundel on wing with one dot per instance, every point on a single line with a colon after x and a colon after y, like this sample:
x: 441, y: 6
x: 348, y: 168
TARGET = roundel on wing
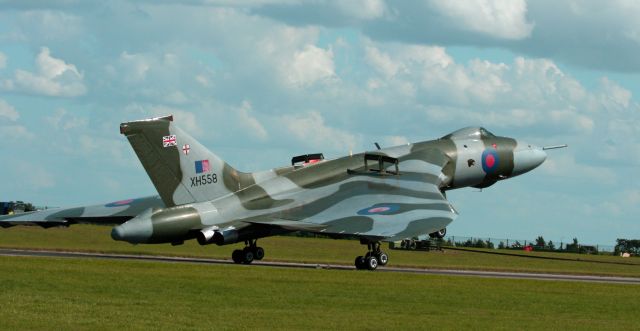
x: 379, y: 209
x: 120, y: 203
x: 490, y: 161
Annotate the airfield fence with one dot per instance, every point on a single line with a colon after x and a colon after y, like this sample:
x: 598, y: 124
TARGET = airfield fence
x: 519, y: 244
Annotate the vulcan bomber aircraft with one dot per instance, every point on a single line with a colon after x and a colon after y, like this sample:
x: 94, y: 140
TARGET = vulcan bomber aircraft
x: 377, y: 196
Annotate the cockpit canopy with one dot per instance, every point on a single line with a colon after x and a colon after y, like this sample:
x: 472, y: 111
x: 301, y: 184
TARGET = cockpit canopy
x: 469, y: 133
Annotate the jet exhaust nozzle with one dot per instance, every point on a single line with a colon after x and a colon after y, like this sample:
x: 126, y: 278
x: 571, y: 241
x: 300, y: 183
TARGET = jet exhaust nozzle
x: 214, y: 235
x: 205, y: 236
x: 227, y: 236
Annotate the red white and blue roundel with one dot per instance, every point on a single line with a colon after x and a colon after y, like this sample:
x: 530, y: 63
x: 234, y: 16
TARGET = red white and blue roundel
x: 121, y: 203
x: 490, y: 160
x: 379, y: 209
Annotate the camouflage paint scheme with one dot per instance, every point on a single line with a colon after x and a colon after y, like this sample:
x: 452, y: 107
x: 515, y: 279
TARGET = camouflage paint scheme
x: 201, y: 196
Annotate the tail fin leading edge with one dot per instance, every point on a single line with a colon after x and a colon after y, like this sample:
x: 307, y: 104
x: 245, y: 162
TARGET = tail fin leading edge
x: 182, y: 170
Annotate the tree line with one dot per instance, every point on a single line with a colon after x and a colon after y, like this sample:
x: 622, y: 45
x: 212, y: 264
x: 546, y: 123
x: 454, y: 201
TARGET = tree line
x: 630, y: 246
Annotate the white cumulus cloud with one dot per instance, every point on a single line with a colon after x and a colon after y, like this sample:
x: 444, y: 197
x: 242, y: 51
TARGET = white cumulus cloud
x: 250, y: 123
x: 395, y: 141
x: 53, y: 77
x: 62, y: 120
x: 310, y: 65
x: 498, y: 18
x: 362, y: 9
x: 135, y: 66
x: 564, y: 165
x: 35, y: 175
x: 8, y: 111
x: 311, y: 129
x: 614, y: 96
x: 382, y: 62
x: 16, y: 132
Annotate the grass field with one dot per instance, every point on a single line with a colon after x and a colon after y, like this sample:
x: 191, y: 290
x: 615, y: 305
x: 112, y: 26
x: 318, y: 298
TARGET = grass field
x: 97, y: 239
x: 88, y: 294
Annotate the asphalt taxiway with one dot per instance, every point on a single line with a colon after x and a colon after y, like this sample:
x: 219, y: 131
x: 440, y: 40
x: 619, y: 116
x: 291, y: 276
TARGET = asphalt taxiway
x: 469, y: 273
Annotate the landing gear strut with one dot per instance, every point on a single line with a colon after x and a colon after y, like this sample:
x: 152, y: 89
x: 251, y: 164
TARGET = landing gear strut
x: 374, y: 257
x: 250, y: 252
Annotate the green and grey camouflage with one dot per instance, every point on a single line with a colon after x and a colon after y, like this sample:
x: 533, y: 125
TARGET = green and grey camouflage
x: 382, y: 195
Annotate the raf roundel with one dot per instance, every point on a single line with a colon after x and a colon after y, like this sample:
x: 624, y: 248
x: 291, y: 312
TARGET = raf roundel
x: 490, y: 161
x: 379, y: 209
x: 120, y: 203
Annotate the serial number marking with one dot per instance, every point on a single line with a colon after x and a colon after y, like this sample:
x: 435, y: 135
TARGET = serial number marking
x: 204, y: 180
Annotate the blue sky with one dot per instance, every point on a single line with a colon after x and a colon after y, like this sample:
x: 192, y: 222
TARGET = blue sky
x: 261, y: 81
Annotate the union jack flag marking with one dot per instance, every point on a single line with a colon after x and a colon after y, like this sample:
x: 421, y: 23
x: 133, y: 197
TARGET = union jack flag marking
x: 168, y: 141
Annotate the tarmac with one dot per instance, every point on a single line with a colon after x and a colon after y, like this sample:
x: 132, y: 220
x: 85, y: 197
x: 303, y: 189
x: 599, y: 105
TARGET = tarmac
x: 275, y: 264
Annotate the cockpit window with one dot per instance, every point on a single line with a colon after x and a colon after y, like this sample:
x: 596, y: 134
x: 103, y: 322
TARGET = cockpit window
x: 470, y: 133
x: 485, y: 133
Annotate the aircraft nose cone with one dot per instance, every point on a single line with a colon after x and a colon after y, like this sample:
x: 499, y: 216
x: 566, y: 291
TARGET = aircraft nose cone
x: 527, y: 158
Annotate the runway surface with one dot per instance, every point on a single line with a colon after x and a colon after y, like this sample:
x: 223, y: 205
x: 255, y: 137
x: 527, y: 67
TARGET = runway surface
x: 470, y: 273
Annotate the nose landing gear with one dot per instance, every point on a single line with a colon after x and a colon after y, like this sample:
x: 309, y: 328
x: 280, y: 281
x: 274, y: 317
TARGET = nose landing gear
x: 375, y: 257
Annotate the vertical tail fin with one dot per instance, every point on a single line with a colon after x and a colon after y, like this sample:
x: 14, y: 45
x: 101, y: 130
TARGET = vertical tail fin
x: 182, y: 170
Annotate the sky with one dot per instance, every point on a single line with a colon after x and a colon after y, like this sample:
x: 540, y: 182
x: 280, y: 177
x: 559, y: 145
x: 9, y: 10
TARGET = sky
x: 261, y: 81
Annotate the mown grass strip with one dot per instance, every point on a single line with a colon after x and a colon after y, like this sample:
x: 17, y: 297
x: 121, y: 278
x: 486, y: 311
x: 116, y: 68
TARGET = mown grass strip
x: 49, y: 293
x: 97, y: 239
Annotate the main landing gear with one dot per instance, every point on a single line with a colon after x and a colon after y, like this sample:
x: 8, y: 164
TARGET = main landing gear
x: 438, y: 234
x: 250, y: 252
x: 374, y: 257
